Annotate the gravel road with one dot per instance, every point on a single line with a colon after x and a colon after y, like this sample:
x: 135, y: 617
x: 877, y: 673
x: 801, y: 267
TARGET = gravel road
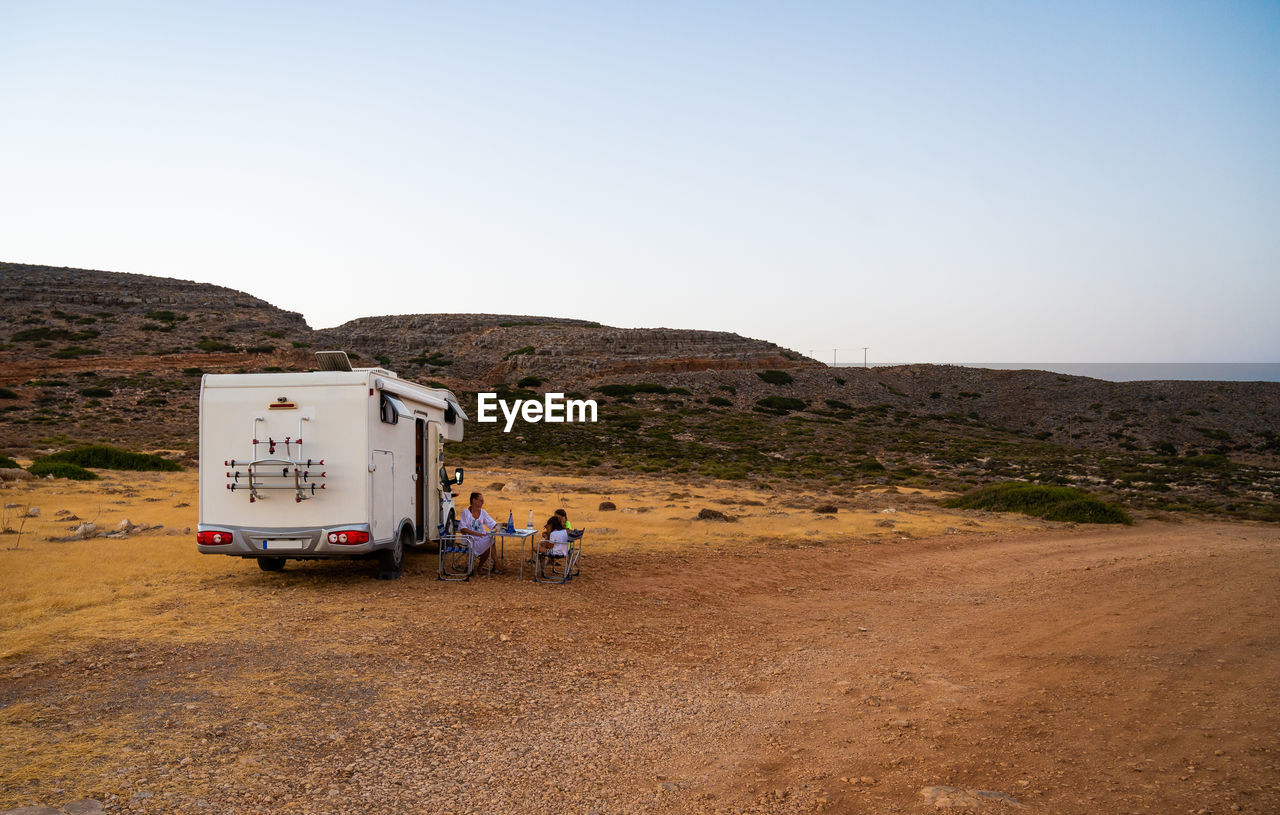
x: 1067, y: 671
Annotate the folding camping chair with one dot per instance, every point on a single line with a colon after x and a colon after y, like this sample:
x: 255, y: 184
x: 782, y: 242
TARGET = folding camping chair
x: 457, y: 557
x: 553, y: 568
x: 575, y: 537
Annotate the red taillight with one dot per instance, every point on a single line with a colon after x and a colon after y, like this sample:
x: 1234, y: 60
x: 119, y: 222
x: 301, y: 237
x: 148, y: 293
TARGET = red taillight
x: 348, y: 536
x: 213, y: 538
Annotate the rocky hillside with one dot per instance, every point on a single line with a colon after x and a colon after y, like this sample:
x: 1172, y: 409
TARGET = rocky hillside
x: 117, y: 357
x: 111, y: 357
x: 485, y: 350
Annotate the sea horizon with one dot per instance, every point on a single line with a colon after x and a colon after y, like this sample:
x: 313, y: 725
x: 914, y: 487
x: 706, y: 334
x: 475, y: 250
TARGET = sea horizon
x: 1124, y: 371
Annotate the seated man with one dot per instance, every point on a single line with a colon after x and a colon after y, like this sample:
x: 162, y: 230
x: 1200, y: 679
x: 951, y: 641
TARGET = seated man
x: 477, y: 523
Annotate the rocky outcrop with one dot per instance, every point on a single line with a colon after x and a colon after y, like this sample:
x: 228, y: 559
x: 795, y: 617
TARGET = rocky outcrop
x: 80, y: 314
x: 66, y: 288
x: 483, y: 349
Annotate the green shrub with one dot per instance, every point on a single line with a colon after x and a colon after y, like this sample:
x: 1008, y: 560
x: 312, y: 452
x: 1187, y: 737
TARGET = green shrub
x: 73, y: 351
x: 106, y: 457
x: 870, y: 464
x: 42, y: 333
x: 5, y: 393
x: 1214, y: 433
x: 97, y: 392
x: 9, y: 464
x: 60, y: 469
x: 193, y: 371
x: 165, y: 316
x: 719, y: 401
x: 522, y: 351
x: 779, y: 404
x: 776, y: 377
x: 639, y: 387
x: 508, y: 393
x: 209, y: 345
x: 1050, y: 503
x: 434, y: 358
x: 1209, y: 461
x: 651, y: 387
x: 297, y: 344
x: 275, y: 335
x: 836, y: 404
x: 1087, y: 510
x: 529, y: 382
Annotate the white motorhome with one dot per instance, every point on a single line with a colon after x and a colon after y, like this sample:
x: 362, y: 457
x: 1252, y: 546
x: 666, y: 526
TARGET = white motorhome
x: 329, y: 463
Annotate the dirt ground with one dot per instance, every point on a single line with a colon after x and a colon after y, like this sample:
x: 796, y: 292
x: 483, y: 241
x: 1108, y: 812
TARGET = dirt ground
x: 892, y: 657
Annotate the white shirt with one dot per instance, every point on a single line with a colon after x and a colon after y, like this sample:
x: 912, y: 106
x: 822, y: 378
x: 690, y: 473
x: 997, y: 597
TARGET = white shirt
x: 560, y: 539
x: 480, y: 524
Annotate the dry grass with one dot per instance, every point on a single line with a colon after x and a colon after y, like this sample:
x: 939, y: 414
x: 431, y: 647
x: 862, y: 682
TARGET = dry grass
x: 132, y: 608
x: 154, y: 586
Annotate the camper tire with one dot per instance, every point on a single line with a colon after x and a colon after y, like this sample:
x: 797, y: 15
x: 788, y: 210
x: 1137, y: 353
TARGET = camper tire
x: 391, y: 560
x: 270, y: 564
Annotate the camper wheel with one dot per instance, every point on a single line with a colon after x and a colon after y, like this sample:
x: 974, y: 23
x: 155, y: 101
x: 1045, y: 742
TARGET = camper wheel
x: 390, y: 560
x: 270, y: 564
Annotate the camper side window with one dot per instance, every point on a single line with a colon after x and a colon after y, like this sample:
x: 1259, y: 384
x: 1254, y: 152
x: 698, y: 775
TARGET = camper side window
x: 391, y: 409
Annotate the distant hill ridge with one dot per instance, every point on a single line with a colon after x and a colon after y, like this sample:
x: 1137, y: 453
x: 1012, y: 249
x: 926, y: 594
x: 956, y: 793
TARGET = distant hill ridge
x: 22, y: 283
x: 105, y: 312
x: 112, y: 357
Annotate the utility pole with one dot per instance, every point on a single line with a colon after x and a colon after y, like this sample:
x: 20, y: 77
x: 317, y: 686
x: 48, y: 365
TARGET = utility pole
x: 834, y: 353
x: 864, y: 356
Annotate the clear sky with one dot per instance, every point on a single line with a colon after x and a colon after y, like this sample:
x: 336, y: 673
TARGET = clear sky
x: 942, y: 182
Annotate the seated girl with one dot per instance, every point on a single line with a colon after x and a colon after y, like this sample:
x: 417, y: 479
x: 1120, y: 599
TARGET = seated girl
x: 554, y: 538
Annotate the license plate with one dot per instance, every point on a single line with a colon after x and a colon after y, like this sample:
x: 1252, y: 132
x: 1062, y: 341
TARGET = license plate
x: 282, y: 543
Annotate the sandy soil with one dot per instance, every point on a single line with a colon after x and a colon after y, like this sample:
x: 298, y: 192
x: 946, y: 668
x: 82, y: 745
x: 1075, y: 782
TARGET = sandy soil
x: 784, y: 662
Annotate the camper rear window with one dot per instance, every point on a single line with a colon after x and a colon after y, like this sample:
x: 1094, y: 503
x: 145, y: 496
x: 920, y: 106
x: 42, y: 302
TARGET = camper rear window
x: 392, y: 409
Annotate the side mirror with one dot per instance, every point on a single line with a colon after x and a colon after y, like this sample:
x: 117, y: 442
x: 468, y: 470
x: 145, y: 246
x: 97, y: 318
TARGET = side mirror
x: 457, y: 476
